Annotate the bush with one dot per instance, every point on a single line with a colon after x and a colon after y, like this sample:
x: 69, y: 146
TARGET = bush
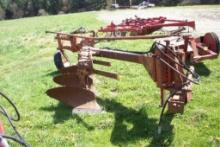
x: 5, y: 3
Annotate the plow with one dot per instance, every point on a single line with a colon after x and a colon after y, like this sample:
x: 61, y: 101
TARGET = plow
x: 169, y: 62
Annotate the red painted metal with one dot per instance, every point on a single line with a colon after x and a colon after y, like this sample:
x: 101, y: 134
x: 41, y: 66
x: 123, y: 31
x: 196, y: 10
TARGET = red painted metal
x: 74, y: 42
x: 165, y: 62
x: 142, y: 26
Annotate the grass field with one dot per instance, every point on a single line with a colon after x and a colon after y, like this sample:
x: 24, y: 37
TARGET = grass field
x: 131, y: 104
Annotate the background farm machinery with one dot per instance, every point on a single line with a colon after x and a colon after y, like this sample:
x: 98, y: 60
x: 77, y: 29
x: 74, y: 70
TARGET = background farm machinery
x: 142, y: 5
x: 169, y: 63
x: 143, y: 26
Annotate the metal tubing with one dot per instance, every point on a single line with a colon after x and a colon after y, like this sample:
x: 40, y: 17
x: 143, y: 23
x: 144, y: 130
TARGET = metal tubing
x: 111, y: 38
x: 181, y: 74
x: 121, y: 55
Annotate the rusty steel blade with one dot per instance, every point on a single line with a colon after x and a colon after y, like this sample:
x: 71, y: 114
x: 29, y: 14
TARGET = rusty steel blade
x: 70, y: 80
x: 106, y: 74
x: 69, y: 70
x: 73, y: 96
x: 104, y: 63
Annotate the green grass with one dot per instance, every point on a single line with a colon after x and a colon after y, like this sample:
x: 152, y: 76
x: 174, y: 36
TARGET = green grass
x: 131, y: 104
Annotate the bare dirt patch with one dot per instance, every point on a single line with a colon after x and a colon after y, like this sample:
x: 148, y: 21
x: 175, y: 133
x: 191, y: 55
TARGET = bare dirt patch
x: 207, y: 18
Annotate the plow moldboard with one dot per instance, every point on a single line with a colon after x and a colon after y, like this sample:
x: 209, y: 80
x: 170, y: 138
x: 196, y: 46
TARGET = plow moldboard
x: 73, y: 96
x: 69, y: 70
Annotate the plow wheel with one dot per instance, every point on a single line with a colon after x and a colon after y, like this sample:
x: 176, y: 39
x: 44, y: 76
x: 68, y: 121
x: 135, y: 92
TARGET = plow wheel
x: 82, y: 100
x: 211, y: 40
x: 119, y: 34
x: 60, y: 61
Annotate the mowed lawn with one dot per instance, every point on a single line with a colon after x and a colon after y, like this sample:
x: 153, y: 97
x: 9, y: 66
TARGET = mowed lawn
x: 131, y: 104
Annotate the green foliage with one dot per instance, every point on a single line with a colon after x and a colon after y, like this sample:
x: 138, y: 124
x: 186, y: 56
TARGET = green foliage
x: 170, y: 2
x: 52, y: 6
x: 209, y: 1
x: 21, y: 3
x: 95, y: 4
x: 5, y: 3
x: 75, y: 5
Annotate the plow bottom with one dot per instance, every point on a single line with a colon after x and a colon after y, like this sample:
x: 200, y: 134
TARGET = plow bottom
x: 76, y: 91
x: 82, y: 100
x: 71, y: 80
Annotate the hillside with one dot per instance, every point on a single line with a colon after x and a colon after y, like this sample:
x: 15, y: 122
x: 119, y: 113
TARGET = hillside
x: 131, y: 104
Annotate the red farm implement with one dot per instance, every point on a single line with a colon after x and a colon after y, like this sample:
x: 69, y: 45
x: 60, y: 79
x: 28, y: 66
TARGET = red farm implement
x: 142, y: 26
x: 169, y: 62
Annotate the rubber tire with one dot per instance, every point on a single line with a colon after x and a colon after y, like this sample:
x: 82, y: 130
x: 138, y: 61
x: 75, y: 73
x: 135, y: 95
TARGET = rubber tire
x: 217, y: 41
x: 58, y: 60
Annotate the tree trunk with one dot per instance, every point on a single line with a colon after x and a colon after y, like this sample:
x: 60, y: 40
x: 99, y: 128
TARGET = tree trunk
x: 130, y: 2
x: 2, y: 13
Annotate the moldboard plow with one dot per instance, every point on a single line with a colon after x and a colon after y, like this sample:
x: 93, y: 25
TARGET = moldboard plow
x: 169, y: 63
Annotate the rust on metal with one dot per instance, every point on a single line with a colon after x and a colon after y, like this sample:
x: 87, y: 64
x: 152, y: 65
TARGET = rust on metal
x: 72, y: 96
x: 144, y: 26
x: 169, y: 62
x: 70, y: 80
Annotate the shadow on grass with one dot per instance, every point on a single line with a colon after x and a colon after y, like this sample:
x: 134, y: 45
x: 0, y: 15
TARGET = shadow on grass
x: 202, y: 70
x: 64, y: 113
x: 130, y: 125
x: 53, y: 73
x: 141, y: 126
x: 61, y: 112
